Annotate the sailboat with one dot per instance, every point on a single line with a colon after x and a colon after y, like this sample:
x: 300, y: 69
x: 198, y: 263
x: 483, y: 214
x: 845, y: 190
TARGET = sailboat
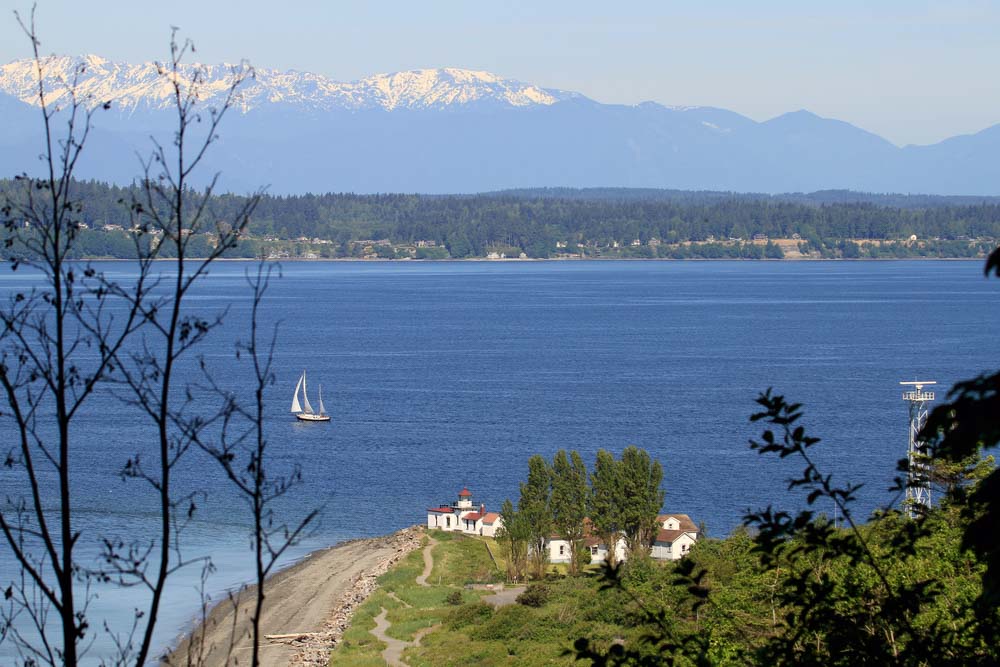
x: 304, y: 411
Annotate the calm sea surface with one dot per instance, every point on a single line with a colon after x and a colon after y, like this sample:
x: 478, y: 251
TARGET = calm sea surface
x: 443, y: 375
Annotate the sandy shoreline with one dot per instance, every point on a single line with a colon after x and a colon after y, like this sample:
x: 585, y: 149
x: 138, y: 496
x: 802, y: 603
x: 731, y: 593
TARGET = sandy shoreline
x: 307, y: 608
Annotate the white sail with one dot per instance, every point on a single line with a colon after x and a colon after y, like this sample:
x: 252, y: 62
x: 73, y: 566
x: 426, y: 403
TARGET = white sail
x: 305, y: 395
x: 295, y: 399
x: 322, y: 410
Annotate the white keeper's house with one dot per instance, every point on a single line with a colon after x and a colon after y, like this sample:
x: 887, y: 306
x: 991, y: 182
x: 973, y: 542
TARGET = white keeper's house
x: 674, y: 537
x: 463, y: 516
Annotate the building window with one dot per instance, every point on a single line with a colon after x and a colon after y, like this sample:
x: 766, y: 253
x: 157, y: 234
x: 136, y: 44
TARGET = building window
x: 562, y: 549
x: 593, y: 550
x: 447, y: 522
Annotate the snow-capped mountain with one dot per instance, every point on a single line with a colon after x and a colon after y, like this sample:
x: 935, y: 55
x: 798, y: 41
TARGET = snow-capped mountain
x: 132, y: 87
x: 457, y: 130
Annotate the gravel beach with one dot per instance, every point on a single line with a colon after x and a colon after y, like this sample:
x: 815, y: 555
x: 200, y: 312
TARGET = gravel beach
x: 307, y: 608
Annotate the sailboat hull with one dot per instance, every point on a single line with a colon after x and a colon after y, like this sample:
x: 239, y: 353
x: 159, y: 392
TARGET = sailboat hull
x: 312, y: 418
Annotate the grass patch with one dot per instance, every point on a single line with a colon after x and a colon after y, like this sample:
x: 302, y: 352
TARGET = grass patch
x: 473, y: 632
x: 462, y: 560
x: 404, y: 572
x: 424, y: 597
x: 406, y: 622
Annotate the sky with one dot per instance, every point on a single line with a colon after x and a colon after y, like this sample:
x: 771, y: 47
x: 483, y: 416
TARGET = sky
x: 911, y: 71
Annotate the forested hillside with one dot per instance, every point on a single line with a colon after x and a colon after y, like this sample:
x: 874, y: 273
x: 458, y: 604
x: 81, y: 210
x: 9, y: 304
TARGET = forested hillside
x: 610, y: 223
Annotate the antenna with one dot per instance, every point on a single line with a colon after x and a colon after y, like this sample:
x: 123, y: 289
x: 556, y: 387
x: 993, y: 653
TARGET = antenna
x: 918, y: 485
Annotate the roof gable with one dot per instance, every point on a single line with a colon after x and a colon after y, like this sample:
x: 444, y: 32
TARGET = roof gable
x: 684, y: 521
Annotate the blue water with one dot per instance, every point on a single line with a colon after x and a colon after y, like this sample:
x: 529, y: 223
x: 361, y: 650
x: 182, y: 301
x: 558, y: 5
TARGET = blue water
x: 444, y: 375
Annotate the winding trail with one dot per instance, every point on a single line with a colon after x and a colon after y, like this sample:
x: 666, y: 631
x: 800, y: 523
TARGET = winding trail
x: 393, y: 652
x: 428, y: 562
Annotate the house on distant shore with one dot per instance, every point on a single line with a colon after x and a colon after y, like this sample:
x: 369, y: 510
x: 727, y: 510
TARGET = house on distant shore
x: 675, y: 536
x: 463, y: 516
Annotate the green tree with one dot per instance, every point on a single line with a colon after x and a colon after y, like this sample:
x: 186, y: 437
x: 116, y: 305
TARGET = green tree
x: 458, y: 245
x: 606, y: 489
x: 570, y: 496
x: 801, y: 590
x: 513, y: 536
x: 536, y: 510
x: 641, y: 499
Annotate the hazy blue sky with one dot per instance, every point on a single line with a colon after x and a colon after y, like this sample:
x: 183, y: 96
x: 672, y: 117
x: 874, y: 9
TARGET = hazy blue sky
x: 911, y: 71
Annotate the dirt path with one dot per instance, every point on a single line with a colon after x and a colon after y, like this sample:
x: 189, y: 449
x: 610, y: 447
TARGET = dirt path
x: 393, y: 653
x: 428, y: 562
x: 308, y: 606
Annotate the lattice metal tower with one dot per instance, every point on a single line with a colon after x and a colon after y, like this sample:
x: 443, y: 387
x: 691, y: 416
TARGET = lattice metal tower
x: 918, y: 485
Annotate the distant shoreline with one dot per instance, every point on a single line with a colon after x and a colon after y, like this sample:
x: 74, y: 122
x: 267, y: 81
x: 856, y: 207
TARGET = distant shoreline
x: 515, y: 260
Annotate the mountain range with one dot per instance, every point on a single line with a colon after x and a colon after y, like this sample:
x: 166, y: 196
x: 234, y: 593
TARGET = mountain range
x: 458, y: 131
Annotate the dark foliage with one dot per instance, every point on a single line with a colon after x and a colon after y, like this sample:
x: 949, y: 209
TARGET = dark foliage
x: 955, y: 431
x: 535, y: 595
x: 474, y: 614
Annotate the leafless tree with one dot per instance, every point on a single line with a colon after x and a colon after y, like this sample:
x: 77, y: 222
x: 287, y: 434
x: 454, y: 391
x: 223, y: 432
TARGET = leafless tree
x: 58, y: 342
x: 242, y: 451
x: 83, y: 328
x: 169, y: 211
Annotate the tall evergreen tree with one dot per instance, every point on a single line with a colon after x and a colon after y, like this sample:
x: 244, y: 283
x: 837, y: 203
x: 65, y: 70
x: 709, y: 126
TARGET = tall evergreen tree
x: 570, y: 496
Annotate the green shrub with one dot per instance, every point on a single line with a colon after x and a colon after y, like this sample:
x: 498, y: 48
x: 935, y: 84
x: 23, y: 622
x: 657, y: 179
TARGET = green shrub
x: 535, y: 595
x: 512, y: 623
x: 454, y: 598
x: 469, y: 614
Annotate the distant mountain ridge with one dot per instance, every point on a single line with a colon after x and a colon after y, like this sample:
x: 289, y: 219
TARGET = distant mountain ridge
x: 453, y: 130
x: 140, y: 86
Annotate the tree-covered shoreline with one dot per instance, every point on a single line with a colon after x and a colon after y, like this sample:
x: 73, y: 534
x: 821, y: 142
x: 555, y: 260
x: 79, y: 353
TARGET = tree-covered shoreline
x: 575, y: 224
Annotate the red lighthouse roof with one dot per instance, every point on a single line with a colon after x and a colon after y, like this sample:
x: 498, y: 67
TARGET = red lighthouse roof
x: 465, y: 493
